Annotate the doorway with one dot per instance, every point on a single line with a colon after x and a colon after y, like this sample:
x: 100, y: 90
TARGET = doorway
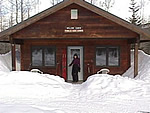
x: 70, y: 53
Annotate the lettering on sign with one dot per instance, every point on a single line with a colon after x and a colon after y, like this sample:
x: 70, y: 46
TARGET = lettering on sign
x: 72, y: 29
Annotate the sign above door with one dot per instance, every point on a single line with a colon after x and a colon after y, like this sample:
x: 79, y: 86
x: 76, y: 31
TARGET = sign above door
x: 73, y: 29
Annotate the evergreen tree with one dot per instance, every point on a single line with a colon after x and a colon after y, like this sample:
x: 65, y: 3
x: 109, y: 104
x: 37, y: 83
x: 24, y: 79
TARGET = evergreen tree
x: 134, y: 9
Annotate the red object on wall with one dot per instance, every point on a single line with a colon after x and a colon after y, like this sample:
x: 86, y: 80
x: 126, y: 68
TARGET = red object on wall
x: 64, y: 64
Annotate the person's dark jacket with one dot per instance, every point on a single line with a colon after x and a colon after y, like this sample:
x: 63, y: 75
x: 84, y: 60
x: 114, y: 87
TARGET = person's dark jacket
x: 76, y: 64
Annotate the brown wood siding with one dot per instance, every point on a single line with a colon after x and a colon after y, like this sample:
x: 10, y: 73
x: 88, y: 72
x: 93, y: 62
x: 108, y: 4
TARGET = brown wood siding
x: 98, y: 31
x: 89, y: 54
x: 94, y: 26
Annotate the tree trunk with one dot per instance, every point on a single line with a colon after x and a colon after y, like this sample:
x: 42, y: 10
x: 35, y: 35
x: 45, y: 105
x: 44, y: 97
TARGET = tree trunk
x: 17, y: 11
x: 22, y: 18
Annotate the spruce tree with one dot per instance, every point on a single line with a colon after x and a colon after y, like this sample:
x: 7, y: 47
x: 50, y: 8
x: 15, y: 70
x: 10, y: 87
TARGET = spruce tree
x: 134, y: 9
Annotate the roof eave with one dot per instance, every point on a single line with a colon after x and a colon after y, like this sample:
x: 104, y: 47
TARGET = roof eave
x: 113, y: 18
x: 36, y: 18
x: 81, y: 3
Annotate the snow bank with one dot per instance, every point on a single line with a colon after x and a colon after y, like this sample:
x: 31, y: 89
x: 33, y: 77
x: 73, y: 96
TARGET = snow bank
x: 27, y: 92
x: 143, y: 67
x: 5, y: 62
x: 103, y: 84
x: 32, y: 85
x: 26, y: 109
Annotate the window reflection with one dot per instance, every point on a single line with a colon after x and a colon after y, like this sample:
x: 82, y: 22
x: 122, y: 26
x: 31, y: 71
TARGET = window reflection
x: 113, y: 56
x: 43, y: 56
x: 107, y: 56
x: 74, y: 14
x: 37, y: 57
x: 49, y: 54
x: 101, y: 56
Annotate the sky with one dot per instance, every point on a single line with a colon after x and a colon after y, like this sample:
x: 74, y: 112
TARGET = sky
x: 120, y: 8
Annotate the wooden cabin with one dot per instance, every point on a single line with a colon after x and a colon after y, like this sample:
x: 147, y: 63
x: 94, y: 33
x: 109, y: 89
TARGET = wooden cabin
x: 49, y: 40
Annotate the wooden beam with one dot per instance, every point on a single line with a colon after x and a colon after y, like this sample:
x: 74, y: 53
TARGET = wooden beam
x: 143, y: 41
x: 13, y: 54
x: 18, y: 41
x: 136, y: 59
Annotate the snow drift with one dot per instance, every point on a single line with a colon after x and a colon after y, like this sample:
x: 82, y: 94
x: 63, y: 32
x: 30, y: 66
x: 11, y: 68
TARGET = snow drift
x: 32, y: 85
x: 5, y: 62
x: 143, y: 67
x: 124, y: 87
x: 28, y: 92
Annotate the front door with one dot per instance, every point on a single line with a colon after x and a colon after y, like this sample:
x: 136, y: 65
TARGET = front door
x: 71, y: 51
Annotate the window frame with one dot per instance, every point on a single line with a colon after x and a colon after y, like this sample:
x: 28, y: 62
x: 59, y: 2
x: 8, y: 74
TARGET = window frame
x: 43, y: 55
x: 107, y: 56
x: 77, y: 16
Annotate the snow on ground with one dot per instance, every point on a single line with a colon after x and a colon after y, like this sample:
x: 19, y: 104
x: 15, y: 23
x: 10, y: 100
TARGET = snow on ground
x: 5, y: 62
x: 28, y: 84
x: 27, y: 92
x: 143, y: 66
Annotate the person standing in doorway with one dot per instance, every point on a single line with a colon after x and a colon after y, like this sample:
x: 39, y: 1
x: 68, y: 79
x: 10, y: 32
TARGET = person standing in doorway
x: 75, y: 68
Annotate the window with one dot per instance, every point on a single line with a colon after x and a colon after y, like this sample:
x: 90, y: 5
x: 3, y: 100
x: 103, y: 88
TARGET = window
x: 74, y: 14
x: 107, y: 56
x: 43, y: 56
x: 37, y: 57
x: 101, y: 56
x: 113, y: 56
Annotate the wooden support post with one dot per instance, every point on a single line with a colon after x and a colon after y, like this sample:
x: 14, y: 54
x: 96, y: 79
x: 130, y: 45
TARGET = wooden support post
x: 13, y: 54
x: 136, y: 59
